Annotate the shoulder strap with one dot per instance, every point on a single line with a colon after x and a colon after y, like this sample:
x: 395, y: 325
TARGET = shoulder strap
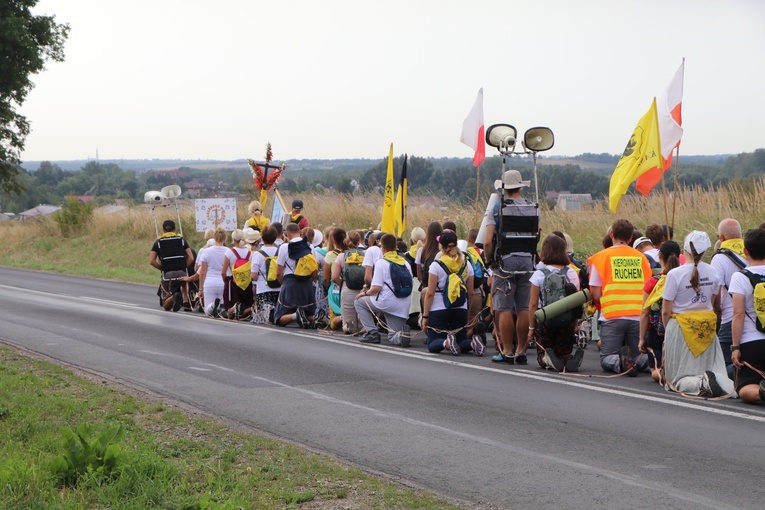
x: 238, y: 258
x: 732, y: 256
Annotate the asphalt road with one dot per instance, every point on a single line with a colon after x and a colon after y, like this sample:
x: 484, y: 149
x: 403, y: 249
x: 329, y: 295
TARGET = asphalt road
x: 463, y: 427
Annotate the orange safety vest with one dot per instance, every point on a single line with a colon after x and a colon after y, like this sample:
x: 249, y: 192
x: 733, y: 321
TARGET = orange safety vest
x: 624, y: 271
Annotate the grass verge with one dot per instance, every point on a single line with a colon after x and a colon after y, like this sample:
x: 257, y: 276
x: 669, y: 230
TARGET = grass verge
x: 172, y: 459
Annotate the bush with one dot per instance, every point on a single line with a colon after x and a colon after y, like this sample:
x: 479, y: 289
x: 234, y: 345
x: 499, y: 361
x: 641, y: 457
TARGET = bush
x: 99, y: 457
x: 73, y: 217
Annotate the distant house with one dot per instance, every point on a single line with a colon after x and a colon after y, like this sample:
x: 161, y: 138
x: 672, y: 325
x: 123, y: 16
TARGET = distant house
x: 6, y: 216
x: 574, y: 202
x: 40, y: 210
x: 112, y: 208
x: 553, y: 195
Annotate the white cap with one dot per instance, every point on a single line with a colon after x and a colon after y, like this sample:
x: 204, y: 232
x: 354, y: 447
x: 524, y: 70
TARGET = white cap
x: 700, y: 240
x: 462, y: 245
x: 641, y: 240
x: 318, y: 237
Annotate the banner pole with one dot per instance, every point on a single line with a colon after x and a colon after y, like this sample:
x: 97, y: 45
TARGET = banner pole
x: 674, y: 194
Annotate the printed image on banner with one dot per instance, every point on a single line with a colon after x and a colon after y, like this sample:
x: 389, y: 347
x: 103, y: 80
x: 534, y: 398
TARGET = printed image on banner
x: 215, y: 212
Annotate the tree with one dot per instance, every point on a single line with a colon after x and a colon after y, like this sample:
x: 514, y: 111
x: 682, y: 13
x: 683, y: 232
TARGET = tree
x: 26, y: 43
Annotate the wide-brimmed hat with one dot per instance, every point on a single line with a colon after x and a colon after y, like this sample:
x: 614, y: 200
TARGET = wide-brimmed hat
x: 699, y: 241
x: 251, y: 236
x: 511, y: 179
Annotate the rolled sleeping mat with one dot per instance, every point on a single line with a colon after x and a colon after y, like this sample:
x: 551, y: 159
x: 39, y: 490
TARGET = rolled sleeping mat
x: 489, y: 210
x: 562, y: 305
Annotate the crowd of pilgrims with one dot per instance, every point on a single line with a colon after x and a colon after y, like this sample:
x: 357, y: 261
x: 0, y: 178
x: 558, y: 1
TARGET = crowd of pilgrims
x: 656, y: 307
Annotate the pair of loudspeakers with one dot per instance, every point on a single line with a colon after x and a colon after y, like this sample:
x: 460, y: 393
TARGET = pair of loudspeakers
x: 165, y: 194
x: 504, y: 137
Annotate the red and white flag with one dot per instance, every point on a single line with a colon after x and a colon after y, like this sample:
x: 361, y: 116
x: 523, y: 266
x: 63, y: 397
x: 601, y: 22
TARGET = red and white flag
x: 669, y: 109
x: 473, y: 130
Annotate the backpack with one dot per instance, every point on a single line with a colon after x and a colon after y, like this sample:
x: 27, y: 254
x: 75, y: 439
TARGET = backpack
x: 582, y: 272
x: 353, y: 272
x: 426, y: 271
x: 758, y: 294
x: 401, y: 280
x: 270, y: 273
x: 305, y: 260
x: 555, y: 287
x: 242, y: 270
x: 479, y: 269
x: 654, y: 314
x: 457, y: 279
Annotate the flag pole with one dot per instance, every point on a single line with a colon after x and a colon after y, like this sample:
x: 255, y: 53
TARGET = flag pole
x: 477, y: 191
x: 674, y: 194
x: 664, y: 193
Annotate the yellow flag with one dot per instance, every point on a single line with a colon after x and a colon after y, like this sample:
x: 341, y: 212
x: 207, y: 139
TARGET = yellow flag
x: 400, y: 205
x: 642, y: 153
x: 388, y: 214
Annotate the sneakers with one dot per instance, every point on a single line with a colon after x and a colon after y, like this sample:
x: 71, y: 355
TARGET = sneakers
x: 625, y: 362
x: 477, y: 345
x: 302, y: 319
x: 480, y: 330
x: 553, y: 361
x: 237, y: 311
x: 318, y: 319
x: 406, y: 334
x: 709, y: 385
x: 521, y: 359
x: 177, y: 301
x: 501, y: 358
x: 575, y: 361
x: 451, y: 344
x: 372, y: 337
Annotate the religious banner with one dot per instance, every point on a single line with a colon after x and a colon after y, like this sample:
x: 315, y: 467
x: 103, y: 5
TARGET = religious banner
x: 215, y: 212
x: 280, y: 211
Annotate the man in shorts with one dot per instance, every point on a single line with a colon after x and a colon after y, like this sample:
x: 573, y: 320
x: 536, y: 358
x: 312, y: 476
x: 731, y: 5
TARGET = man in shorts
x: 172, y: 255
x: 510, y: 289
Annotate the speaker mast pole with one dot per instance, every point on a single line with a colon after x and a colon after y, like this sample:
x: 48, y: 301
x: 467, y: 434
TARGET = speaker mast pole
x: 674, y: 195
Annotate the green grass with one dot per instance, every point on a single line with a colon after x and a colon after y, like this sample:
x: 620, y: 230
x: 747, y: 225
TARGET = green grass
x: 172, y: 460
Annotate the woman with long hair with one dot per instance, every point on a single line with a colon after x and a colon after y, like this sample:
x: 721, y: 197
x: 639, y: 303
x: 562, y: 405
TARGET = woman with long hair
x: 427, y: 254
x: 267, y: 291
x: 651, y: 325
x: 693, y: 360
x: 445, y: 321
x: 336, y: 240
x: 555, y: 338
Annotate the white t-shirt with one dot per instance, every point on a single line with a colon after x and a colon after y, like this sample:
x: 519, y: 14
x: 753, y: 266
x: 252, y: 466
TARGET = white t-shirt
x: 653, y: 253
x: 385, y: 300
x: 677, y: 288
x: 726, y: 267
x: 259, y: 269
x: 438, y: 300
x: 538, y: 278
x: 213, y: 257
x: 283, y: 259
x: 371, y: 256
x: 739, y: 284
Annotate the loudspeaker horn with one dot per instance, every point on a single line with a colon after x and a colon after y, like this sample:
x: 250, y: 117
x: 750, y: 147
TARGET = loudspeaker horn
x: 152, y: 197
x: 538, y: 139
x: 501, y: 136
x: 170, y: 192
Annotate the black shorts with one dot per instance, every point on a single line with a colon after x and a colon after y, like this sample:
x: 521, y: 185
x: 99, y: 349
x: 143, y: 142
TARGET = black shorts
x: 754, y: 354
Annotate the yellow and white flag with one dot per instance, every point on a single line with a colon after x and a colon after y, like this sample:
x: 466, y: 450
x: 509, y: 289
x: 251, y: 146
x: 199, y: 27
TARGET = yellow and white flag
x: 643, y: 152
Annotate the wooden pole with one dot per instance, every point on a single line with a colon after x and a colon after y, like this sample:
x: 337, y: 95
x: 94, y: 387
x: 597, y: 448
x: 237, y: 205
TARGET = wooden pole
x: 664, y: 196
x: 477, y: 194
x: 674, y: 194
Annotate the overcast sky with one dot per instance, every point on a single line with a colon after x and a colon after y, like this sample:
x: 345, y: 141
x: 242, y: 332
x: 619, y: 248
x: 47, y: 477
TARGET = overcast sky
x: 344, y: 79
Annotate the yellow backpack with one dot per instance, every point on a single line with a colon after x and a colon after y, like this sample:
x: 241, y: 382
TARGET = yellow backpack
x: 242, y: 270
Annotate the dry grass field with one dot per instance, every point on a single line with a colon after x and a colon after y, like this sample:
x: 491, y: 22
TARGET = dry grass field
x: 116, y: 245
